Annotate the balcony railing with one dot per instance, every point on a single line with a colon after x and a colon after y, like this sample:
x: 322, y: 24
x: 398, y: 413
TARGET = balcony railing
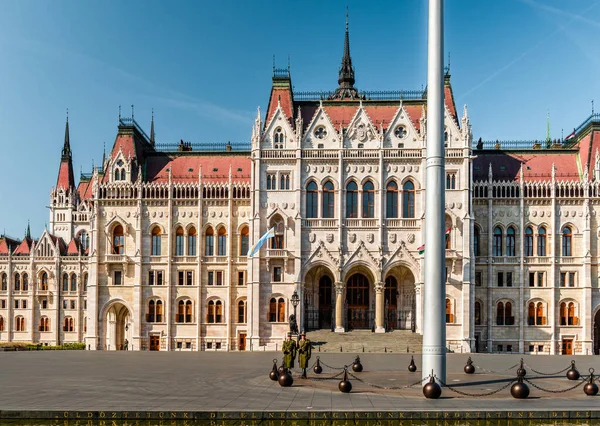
x: 116, y: 258
x: 402, y: 153
x: 401, y: 223
x: 277, y: 253
x: 277, y: 153
x: 320, y: 223
x: 215, y: 259
x: 185, y: 259
x: 361, y: 223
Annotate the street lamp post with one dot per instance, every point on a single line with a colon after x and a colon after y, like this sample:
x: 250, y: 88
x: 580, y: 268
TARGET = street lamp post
x: 295, y: 301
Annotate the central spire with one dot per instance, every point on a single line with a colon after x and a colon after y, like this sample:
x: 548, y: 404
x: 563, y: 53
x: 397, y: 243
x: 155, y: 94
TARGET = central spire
x: 66, y: 151
x: 346, y: 80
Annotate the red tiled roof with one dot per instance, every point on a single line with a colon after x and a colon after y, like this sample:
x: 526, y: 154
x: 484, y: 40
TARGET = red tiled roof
x: 84, y: 189
x: 66, y: 179
x: 126, y: 144
x: 73, y: 248
x: 24, y: 248
x: 185, y: 169
x: 4, y: 249
x: 283, y: 96
x: 536, y: 167
x: 588, y: 145
x: 449, y: 100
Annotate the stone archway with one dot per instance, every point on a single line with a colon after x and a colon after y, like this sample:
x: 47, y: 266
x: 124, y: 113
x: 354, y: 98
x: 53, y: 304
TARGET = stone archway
x: 319, y: 298
x: 597, y: 333
x: 400, y: 314
x: 117, y: 327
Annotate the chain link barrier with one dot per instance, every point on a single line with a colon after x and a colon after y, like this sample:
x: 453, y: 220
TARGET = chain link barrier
x: 500, y: 373
x: 546, y: 374
x: 453, y: 389
x: 552, y: 390
x: 386, y: 387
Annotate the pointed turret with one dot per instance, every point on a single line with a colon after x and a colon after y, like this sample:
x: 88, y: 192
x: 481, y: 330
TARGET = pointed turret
x: 346, y: 80
x: 66, y: 177
x: 152, y: 130
x: 28, y: 231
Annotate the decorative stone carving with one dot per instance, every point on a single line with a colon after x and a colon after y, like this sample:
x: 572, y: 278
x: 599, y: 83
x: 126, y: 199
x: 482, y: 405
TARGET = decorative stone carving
x: 409, y: 169
x: 352, y: 238
x: 416, y: 169
x: 284, y: 205
x: 292, y: 206
x: 393, y: 238
x: 534, y: 213
x: 153, y: 214
x: 411, y: 238
x: 312, y: 238
x: 370, y: 238
x: 212, y: 214
x: 307, y: 168
x: 402, y: 168
x: 329, y: 238
x: 459, y: 205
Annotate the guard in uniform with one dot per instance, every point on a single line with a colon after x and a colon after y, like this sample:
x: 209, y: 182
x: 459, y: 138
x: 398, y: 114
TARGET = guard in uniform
x: 304, y: 353
x: 289, y: 352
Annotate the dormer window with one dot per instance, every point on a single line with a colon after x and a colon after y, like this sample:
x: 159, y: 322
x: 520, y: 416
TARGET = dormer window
x: 278, y: 138
x: 320, y: 132
x: 120, y: 163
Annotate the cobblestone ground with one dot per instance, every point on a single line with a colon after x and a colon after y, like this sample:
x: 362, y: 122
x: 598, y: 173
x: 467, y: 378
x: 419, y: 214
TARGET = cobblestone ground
x: 82, y: 380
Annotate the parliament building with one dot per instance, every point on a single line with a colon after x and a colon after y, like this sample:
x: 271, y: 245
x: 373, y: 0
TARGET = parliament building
x: 149, y: 251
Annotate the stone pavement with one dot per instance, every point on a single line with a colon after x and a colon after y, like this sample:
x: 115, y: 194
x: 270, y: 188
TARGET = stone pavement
x: 51, y: 384
x: 397, y: 341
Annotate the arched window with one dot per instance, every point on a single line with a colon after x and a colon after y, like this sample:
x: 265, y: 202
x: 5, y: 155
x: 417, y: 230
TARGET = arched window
x: 222, y: 243
x: 184, y: 311
x: 65, y: 282
x: 25, y: 282
x: 209, y: 245
x: 281, y: 310
x: 567, y: 314
x: 17, y: 282
x: 218, y: 312
x: 500, y: 313
x: 408, y: 200
x: 151, y: 315
x: 69, y: 324
x: 159, y: 311
x: 191, y: 248
x: 118, y: 240
x: 122, y: 174
x: 476, y: 241
x: 535, y: 314
x: 279, y: 138
x: 44, y: 282
x: 4, y: 282
x: 391, y: 200
x: 277, y: 242
x: 244, y: 241
x: 273, y: 310
x: 510, y: 242
x: 179, y: 241
x: 504, y: 314
x: 528, y: 249
x: 477, y: 313
x: 368, y: 200
x: 541, y: 242
x: 84, y: 240
x: 19, y: 323
x: 44, y: 324
x: 85, y: 282
x: 566, y: 241
x: 117, y: 174
x: 351, y: 200
x: 210, y: 314
x: 156, y: 239
x: 390, y: 296
x: 241, y: 311
x: 449, y: 314
x: 73, y: 282
x: 311, y: 200
x: 328, y: 200
x: 497, y: 241
x: 1, y: 323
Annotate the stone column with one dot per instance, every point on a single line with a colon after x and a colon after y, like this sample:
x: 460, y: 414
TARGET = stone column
x: 379, y: 307
x: 339, y: 307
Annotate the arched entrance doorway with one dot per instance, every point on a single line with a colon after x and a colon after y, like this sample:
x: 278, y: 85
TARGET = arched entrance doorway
x: 597, y: 333
x: 400, y: 300
x: 319, y: 299
x: 118, y: 327
x: 357, y: 301
x: 325, y: 297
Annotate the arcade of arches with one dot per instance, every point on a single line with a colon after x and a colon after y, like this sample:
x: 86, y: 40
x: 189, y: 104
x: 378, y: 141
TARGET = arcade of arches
x: 360, y: 302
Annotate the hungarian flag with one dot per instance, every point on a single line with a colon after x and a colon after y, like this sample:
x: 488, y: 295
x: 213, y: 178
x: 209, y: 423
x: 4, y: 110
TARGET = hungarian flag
x: 572, y: 135
x: 421, y: 249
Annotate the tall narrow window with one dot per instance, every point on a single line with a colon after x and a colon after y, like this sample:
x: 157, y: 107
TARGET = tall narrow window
x: 122, y: 174
x: 391, y: 200
x: 476, y: 241
x: 84, y: 240
x: 5, y: 282
x: 508, y: 318
x: 218, y: 312
x: 44, y: 282
x: 328, y: 200
x: 563, y: 313
x: 156, y: 239
x: 73, y: 282
x: 210, y: 315
x: 188, y: 311
x: 510, y: 242
x: 312, y: 195
x: 159, y: 311
x: 351, y: 200
x: 528, y: 242
x: 281, y: 310
x: 85, y: 282
x: 241, y: 312
x: 191, y: 248
x: 273, y: 310
x: 118, y: 240
x: 151, y: 315
x: 541, y: 242
x: 209, y: 247
x: 65, y: 282
x: 25, y: 282
x: 179, y: 241
x: 566, y: 241
x: 497, y: 241
x: 18, y: 282
x: 500, y: 313
x: 477, y: 313
x: 408, y: 200
x: 222, y: 243
x: 244, y: 241
x: 571, y: 318
x: 540, y: 319
x: 449, y: 314
x: 368, y: 200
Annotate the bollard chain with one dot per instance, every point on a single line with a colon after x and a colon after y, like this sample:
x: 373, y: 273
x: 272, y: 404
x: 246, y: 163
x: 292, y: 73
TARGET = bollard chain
x: 546, y: 374
x: 386, y: 387
x: 335, y: 368
x: 474, y: 394
x: 552, y: 390
x: 317, y: 379
x: 500, y: 373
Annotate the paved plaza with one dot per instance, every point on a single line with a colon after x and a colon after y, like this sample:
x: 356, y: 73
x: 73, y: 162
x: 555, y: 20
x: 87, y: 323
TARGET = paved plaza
x: 80, y: 381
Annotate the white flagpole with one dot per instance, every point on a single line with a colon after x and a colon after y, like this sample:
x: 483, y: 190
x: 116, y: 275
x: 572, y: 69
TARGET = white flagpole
x: 434, y: 318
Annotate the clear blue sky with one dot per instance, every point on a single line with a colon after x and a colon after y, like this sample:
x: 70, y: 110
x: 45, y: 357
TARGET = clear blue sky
x: 205, y: 66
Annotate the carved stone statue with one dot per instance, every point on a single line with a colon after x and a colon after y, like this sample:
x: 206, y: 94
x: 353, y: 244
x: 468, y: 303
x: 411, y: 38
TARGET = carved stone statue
x: 293, y: 324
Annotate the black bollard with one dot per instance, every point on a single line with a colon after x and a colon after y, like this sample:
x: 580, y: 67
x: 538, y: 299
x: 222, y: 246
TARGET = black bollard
x: 357, y: 366
x: 318, y: 369
x: 286, y: 380
x: 521, y: 370
x: 412, y: 367
x: 274, y: 374
x: 281, y: 369
x: 520, y: 390
x: 573, y: 374
x: 591, y: 388
x: 432, y: 390
x: 469, y: 368
x: 345, y: 386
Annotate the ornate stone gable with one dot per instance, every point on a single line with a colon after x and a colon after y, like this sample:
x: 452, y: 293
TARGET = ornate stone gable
x: 322, y: 253
x: 362, y: 253
x: 402, y: 253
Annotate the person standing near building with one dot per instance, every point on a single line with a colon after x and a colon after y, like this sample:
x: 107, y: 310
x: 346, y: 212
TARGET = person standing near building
x: 304, y: 353
x: 289, y: 352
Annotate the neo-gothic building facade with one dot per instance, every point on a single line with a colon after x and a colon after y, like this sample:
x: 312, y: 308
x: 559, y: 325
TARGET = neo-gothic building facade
x: 149, y: 250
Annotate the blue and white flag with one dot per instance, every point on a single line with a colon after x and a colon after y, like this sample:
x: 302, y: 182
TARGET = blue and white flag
x: 256, y: 247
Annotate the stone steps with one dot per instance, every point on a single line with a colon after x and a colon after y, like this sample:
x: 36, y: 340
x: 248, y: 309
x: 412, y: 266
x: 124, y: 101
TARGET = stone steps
x: 398, y: 341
